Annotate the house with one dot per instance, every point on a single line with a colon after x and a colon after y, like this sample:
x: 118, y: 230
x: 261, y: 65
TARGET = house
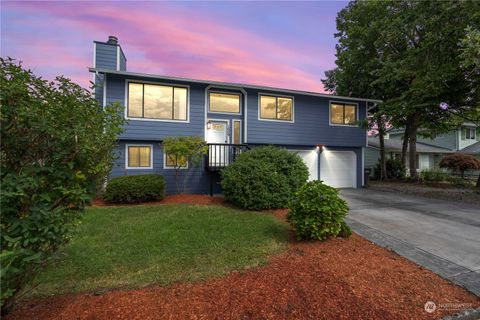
x: 231, y: 117
x: 465, y: 139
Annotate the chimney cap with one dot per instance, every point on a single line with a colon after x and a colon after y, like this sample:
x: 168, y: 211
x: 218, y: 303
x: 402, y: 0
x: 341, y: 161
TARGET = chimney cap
x: 112, y: 40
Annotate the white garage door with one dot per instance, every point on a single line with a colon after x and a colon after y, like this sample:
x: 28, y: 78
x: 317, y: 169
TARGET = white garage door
x: 338, y: 168
x: 310, y: 157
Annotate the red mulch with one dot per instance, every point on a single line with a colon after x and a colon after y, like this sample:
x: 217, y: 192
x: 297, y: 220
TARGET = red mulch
x: 336, y: 279
x: 199, y: 199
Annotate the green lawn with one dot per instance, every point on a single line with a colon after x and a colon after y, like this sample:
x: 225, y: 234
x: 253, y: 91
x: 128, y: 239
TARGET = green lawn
x: 136, y: 246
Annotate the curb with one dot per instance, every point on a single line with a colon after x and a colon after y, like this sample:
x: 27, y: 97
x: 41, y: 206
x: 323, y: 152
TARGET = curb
x: 473, y: 314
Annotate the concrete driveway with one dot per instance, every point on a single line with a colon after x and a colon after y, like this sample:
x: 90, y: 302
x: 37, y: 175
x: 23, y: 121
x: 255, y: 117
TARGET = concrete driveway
x: 439, y: 235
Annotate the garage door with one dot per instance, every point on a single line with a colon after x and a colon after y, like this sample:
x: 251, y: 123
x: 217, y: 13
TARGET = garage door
x: 338, y: 168
x: 310, y: 157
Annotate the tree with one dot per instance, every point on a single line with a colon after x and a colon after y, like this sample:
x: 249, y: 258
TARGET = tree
x: 183, y: 153
x: 57, y: 144
x: 406, y: 53
x: 460, y: 162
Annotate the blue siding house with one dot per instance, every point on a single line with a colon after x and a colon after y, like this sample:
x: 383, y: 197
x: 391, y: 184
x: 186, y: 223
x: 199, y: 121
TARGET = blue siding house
x: 322, y: 129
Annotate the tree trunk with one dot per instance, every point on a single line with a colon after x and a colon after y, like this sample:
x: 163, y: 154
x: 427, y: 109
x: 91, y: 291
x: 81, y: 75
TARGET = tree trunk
x: 177, y: 183
x: 412, y: 151
x: 405, y: 144
x: 381, y: 138
x: 478, y: 184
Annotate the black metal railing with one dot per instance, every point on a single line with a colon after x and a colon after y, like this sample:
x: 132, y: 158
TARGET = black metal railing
x: 221, y: 155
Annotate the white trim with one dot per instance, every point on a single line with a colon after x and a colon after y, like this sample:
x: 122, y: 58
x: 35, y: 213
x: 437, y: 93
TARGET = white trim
x: 127, y: 81
x: 165, y: 167
x: 363, y: 166
x: 118, y: 58
x: 104, y: 90
x: 218, y: 84
x: 207, y: 88
x: 276, y: 96
x: 233, y: 130
x: 342, y: 125
x: 239, y: 113
x: 227, y: 121
x: 366, y: 119
x: 138, y: 145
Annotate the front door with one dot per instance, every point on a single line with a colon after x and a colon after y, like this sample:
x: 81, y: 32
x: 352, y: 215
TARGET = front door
x: 217, y: 134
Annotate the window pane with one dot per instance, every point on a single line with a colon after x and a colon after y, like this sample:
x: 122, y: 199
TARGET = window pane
x: 268, y: 107
x: 284, y: 109
x: 236, y: 132
x: 135, y: 99
x: 180, y: 104
x: 336, y: 113
x: 222, y: 102
x: 171, y: 161
x: 144, y: 156
x: 133, y: 157
x: 182, y: 161
x: 350, y: 114
x: 158, y: 102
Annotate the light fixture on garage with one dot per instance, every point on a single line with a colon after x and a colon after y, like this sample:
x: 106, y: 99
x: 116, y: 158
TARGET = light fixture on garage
x: 209, y: 125
x: 320, y: 147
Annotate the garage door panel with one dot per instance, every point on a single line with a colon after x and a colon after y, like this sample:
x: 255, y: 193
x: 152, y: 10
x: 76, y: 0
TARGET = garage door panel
x: 338, y: 169
x: 310, y: 158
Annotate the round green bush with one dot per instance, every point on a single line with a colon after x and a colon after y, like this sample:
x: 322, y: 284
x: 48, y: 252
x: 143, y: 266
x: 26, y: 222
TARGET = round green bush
x: 263, y: 178
x: 135, y: 189
x: 317, y: 212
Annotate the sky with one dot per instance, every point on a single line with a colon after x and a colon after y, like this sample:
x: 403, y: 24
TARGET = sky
x: 277, y: 43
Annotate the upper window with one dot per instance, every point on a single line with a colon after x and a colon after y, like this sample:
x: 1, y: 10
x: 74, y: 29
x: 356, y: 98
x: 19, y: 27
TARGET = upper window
x: 139, y: 157
x: 172, y: 161
x: 343, y: 113
x: 276, y: 108
x: 153, y: 101
x: 470, y: 133
x: 224, y: 102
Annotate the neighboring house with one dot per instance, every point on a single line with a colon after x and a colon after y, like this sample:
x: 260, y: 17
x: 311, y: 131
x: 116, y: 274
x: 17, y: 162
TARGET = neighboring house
x: 231, y: 117
x: 429, y: 151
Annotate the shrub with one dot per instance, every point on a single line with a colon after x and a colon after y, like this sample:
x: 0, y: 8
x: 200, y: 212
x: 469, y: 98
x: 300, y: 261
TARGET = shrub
x: 263, y: 178
x: 57, y: 145
x: 433, y: 175
x: 395, y: 169
x: 317, y: 212
x: 135, y: 189
x: 460, y: 162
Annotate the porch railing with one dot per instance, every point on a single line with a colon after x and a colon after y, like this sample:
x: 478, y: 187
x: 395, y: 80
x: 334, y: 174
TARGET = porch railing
x: 221, y: 155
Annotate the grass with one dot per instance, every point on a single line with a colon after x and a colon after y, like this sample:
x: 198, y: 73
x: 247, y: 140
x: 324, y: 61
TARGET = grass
x: 131, y: 247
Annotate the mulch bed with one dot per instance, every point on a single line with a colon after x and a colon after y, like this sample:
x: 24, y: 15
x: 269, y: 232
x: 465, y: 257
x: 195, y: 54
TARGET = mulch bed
x: 440, y: 191
x: 197, y: 199
x: 336, y: 279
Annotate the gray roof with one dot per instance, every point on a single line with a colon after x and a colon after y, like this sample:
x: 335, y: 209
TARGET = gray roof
x: 229, y: 84
x: 396, y: 145
x: 472, y: 149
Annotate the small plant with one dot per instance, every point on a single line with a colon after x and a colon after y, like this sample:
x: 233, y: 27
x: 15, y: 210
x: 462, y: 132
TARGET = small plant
x: 317, y: 212
x: 433, y: 175
x: 135, y: 189
x: 263, y: 178
x: 395, y: 169
x: 184, y: 152
x: 459, y: 162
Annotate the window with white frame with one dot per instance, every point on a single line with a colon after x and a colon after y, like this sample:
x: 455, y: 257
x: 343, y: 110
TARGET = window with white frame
x: 276, y: 108
x: 153, y: 101
x: 139, y: 157
x: 343, y: 113
x: 224, y: 102
x: 470, y: 133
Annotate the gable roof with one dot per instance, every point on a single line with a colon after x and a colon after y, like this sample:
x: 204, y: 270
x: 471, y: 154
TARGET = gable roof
x: 229, y: 84
x: 396, y: 145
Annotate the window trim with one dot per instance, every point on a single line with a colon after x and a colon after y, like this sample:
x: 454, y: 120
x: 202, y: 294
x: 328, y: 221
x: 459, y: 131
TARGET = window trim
x: 275, y: 96
x: 469, y: 136
x: 225, y: 92
x: 127, y: 145
x: 128, y: 81
x: 233, y: 130
x: 170, y: 167
x: 344, y: 103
